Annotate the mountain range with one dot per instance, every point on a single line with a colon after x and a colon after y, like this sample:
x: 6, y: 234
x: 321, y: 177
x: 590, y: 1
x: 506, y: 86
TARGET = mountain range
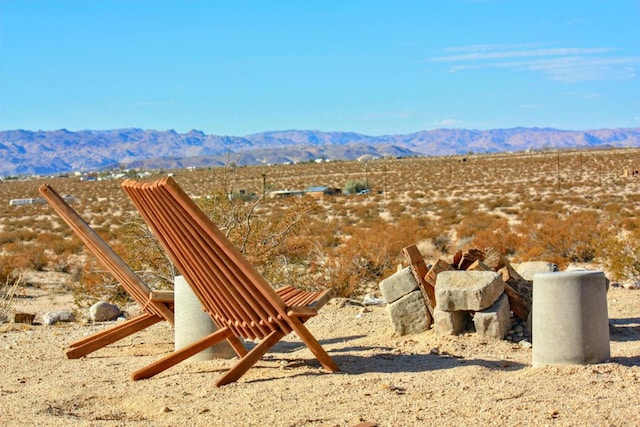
x: 26, y: 152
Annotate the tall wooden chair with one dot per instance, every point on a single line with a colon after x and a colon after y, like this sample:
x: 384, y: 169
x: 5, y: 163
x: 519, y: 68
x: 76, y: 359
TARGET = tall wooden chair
x: 238, y: 299
x: 157, y: 305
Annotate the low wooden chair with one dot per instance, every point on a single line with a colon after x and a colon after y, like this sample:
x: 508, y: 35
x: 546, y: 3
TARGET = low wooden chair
x: 157, y: 305
x: 238, y: 299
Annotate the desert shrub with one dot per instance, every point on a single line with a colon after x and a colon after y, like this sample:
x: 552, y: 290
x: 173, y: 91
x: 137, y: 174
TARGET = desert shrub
x: 18, y: 235
x: 58, y: 244
x: 26, y: 256
x: 353, y: 187
x: 142, y: 252
x: 370, y: 253
x: 561, y: 239
x: 472, y: 224
x: 8, y: 270
x: 618, y: 251
x: 498, y: 202
x: 495, y: 232
x: 396, y: 208
x: 96, y: 284
x: 6, y: 237
x: 276, y: 245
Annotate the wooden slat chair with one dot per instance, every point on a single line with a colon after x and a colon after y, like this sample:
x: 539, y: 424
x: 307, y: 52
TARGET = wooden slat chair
x: 238, y: 299
x: 157, y: 305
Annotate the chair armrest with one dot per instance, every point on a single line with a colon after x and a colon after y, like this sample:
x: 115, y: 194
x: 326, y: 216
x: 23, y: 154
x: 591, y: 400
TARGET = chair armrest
x: 161, y: 296
x: 302, y: 312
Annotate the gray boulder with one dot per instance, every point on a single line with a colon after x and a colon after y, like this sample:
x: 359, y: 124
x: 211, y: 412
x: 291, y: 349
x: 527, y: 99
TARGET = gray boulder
x: 104, y: 312
x: 398, y: 285
x: 409, y: 314
x: 529, y: 268
x: 495, y: 321
x: 53, y: 317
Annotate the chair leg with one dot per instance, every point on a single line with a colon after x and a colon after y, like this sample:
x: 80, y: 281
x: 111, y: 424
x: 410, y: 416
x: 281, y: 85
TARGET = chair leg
x: 237, y: 346
x: 182, y: 354
x: 250, y: 359
x: 313, y: 345
x: 108, y: 336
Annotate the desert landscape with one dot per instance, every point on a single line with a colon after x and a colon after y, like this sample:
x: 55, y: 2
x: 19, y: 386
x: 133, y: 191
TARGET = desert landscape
x: 577, y: 209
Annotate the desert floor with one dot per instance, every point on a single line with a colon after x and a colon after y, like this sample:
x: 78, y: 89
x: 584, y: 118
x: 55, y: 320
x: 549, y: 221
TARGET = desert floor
x: 385, y: 380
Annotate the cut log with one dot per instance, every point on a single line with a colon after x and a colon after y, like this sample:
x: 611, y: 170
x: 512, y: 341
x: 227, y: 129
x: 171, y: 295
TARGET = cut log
x: 518, y: 305
x: 456, y: 259
x: 478, y: 266
x: 519, y: 291
x: 440, y: 266
x: 419, y: 270
x: 494, y: 259
x: 468, y: 258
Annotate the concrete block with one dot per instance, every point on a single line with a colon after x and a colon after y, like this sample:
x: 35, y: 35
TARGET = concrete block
x: 495, y: 321
x: 450, y: 322
x: 409, y: 314
x: 468, y: 290
x: 570, y: 318
x: 192, y: 323
x: 398, y: 285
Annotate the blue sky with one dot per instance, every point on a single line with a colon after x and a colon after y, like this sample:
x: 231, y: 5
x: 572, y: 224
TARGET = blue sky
x: 374, y: 67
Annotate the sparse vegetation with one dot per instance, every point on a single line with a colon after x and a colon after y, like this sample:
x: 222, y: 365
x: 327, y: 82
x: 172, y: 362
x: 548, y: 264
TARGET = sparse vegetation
x: 521, y: 203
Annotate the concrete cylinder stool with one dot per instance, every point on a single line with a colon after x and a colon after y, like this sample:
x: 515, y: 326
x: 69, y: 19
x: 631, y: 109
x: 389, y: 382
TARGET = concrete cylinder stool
x: 193, y: 323
x: 570, y: 319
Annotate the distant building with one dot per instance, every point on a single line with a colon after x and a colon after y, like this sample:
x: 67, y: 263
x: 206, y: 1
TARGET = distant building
x: 20, y: 202
x: 320, y: 192
x: 35, y: 201
x: 285, y: 193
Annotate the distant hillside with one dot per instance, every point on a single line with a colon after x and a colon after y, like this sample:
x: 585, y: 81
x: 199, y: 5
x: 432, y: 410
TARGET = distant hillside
x: 49, y: 152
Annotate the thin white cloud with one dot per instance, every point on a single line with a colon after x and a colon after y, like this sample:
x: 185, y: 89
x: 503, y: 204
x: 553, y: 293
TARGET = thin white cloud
x: 502, y: 54
x: 567, y: 65
x: 582, y: 95
x: 447, y: 123
x: 491, y: 47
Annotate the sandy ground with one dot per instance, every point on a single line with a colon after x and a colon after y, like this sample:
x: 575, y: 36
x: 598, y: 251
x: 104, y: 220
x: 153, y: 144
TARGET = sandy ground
x: 385, y: 380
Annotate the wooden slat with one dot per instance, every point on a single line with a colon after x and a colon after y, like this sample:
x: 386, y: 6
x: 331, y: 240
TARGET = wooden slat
x: 101, y: 339
x: 237, y: 295
x: 254, y: 281
x: 419, y: 269
x: 165, y: 227
x: 181, y: 354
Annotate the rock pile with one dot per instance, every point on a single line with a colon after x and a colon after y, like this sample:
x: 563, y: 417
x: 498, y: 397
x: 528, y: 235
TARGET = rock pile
x: 471, y: 296
x: 479, y: 291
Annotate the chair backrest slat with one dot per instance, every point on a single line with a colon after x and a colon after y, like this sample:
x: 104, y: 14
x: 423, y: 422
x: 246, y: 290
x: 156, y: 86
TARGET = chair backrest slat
x: 226, y: 283
x: 191, y: 260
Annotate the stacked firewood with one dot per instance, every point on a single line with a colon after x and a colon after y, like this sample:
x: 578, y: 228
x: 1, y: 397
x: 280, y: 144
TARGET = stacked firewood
x: 518, y: 289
